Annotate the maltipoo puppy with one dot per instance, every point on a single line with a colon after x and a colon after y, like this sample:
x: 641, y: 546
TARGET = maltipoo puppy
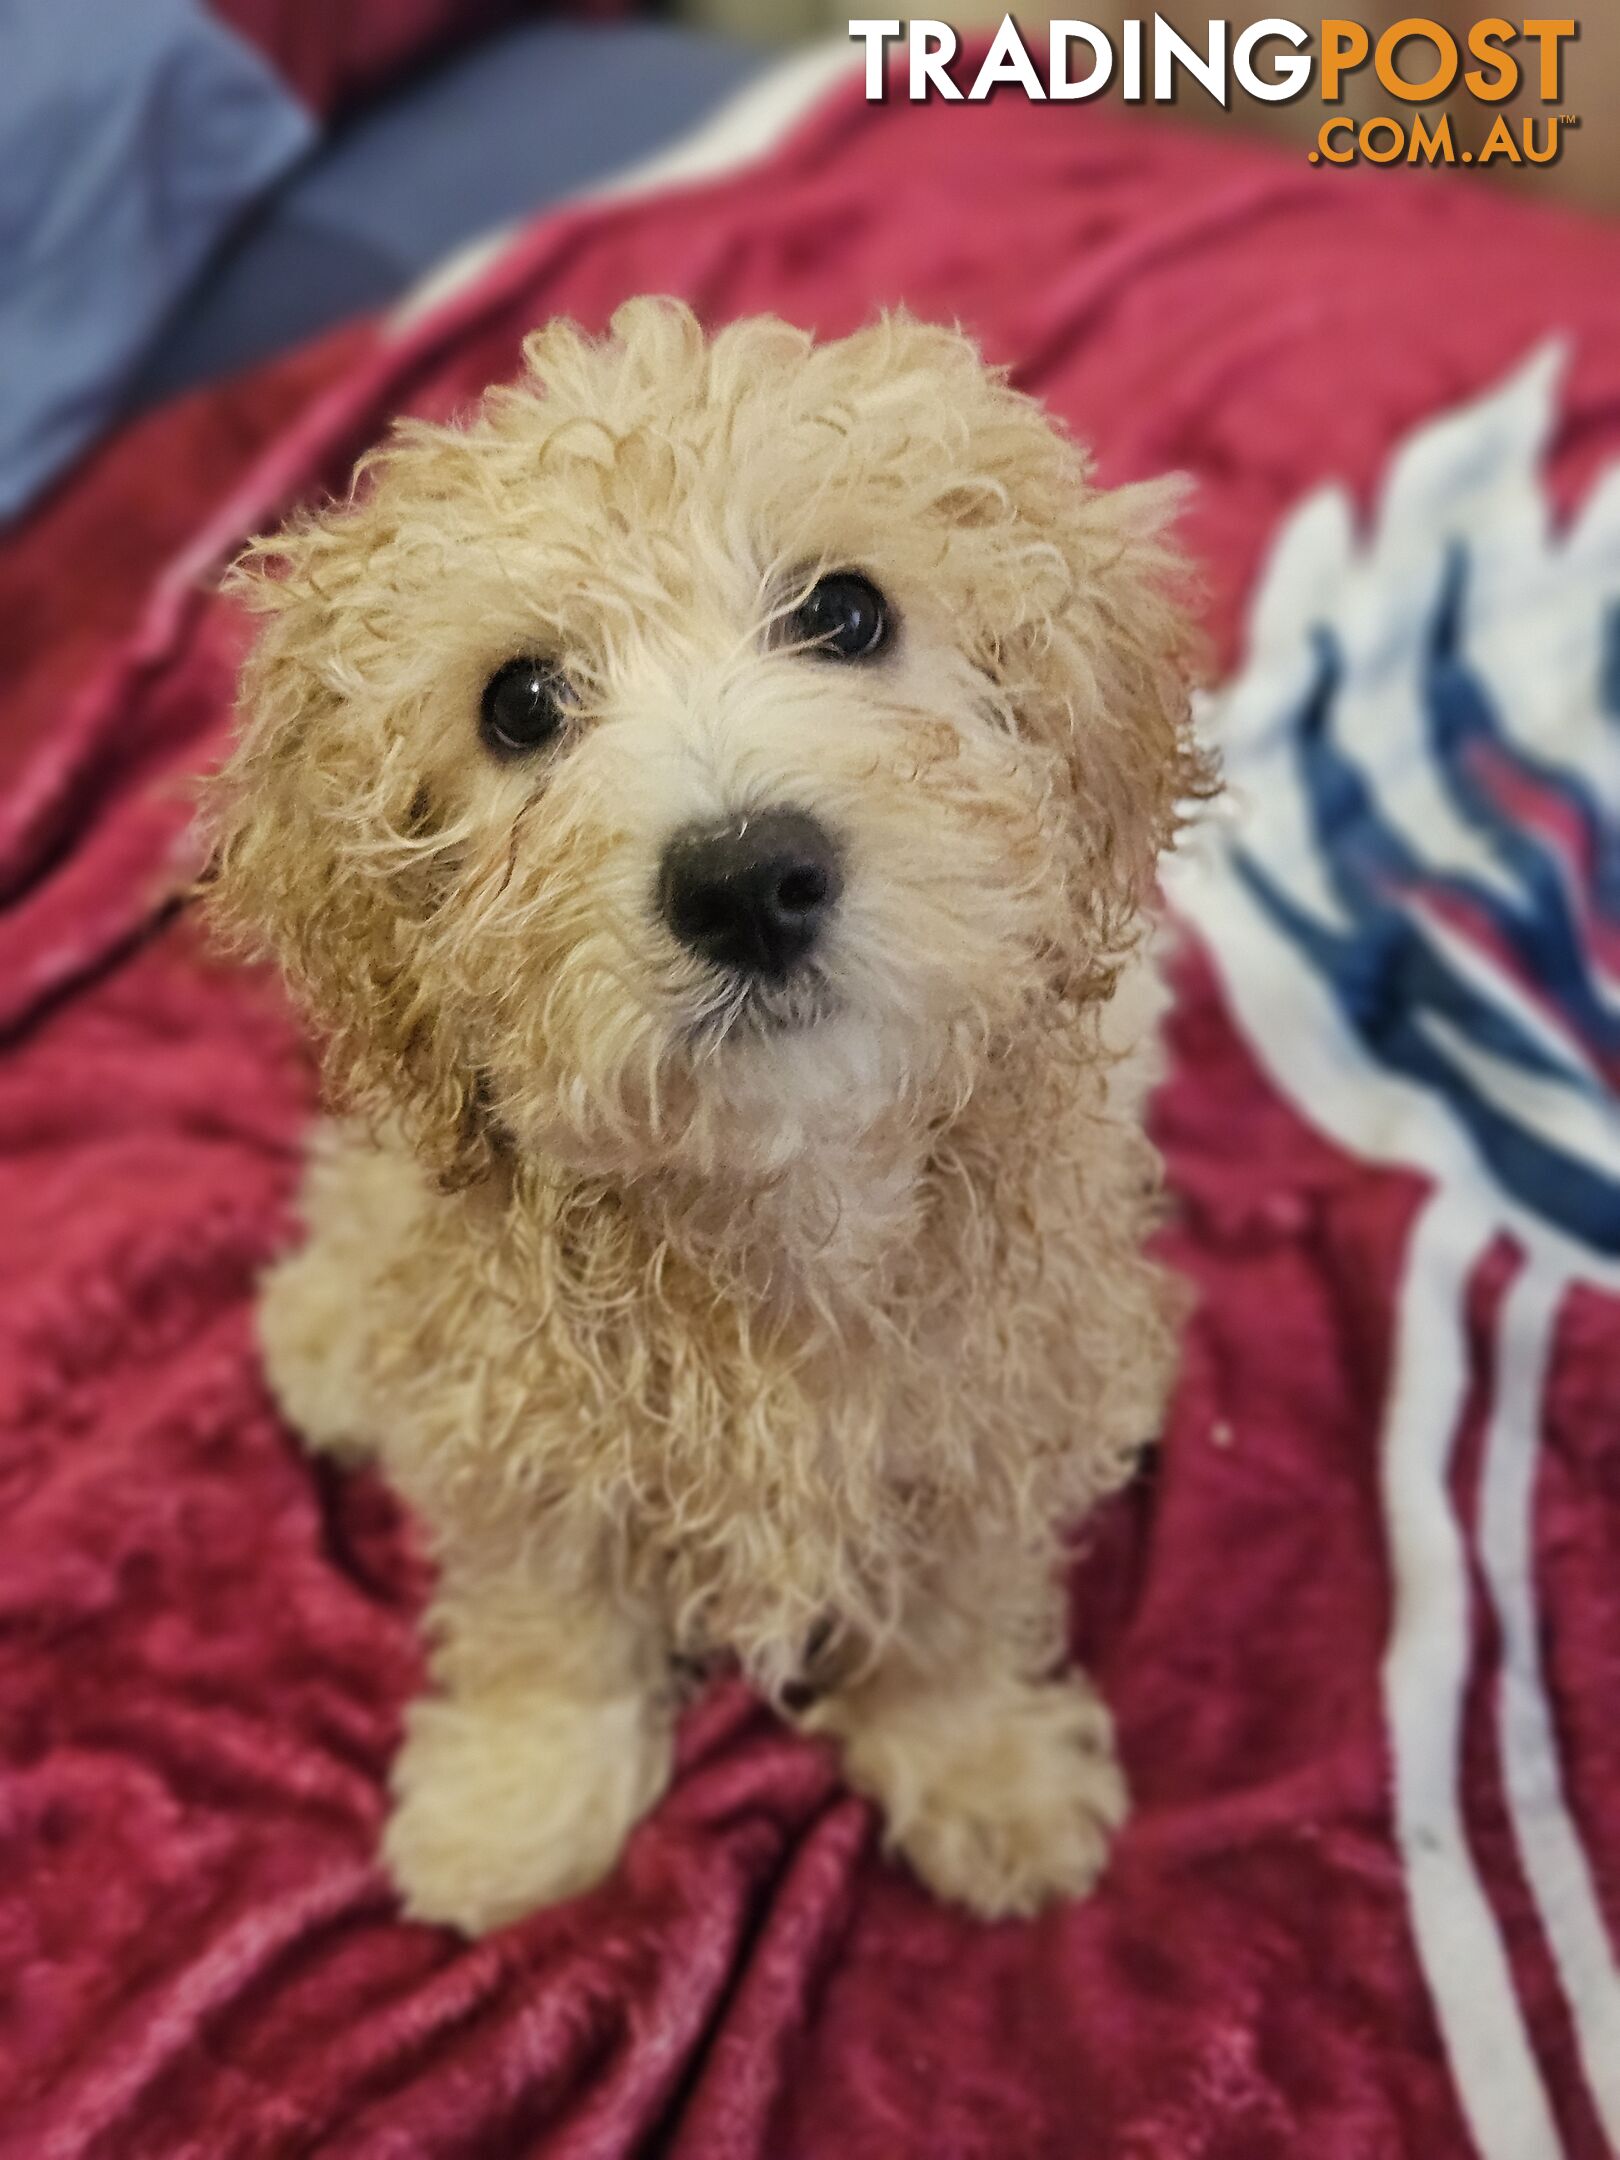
x: 705, y: 802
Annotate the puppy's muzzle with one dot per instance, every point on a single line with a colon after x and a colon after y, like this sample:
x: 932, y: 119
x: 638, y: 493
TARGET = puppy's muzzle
x: 753, y: 895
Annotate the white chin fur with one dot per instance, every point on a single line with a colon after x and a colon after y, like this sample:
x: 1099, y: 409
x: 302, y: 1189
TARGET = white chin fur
x: 844, y: 1067
x: 759, y: 1103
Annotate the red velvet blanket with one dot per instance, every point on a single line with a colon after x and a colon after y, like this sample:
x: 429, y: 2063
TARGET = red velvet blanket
x: 1361, y: 1624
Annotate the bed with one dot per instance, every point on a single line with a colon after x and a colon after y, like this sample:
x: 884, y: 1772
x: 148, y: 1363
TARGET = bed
x: 1359, y: 1622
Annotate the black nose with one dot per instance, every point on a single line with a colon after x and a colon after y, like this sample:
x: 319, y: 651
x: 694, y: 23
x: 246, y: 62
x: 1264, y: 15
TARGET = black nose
x: 754, y: 893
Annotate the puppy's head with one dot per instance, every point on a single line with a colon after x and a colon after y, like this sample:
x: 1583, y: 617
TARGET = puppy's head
x: 715, y: 748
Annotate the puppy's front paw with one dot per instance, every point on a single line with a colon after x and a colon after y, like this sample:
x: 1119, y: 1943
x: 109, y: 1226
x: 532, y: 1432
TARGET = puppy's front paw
x: 1001, y: 1799
x: 505, y: 1803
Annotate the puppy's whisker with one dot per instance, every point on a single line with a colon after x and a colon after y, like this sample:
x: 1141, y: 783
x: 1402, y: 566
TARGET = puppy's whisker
x: 512, y: 845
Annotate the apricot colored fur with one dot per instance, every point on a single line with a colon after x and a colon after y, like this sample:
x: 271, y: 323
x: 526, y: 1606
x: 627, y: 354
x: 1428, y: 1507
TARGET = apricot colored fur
x: 688, y: 1328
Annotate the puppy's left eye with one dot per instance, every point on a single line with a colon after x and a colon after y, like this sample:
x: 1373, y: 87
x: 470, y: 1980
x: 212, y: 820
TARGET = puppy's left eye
x: 524, y: 705
x: 843, y: 614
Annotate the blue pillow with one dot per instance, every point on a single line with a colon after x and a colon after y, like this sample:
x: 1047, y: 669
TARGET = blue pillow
x: 485, y: 139
x: 133, y: 133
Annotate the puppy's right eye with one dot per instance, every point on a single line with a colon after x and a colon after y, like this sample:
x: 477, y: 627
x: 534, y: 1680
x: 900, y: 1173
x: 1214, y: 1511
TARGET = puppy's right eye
x: 523, y: 707
x: 843, y: 615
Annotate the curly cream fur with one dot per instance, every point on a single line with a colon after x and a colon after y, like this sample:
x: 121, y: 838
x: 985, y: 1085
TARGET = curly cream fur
x: 686, y: 1332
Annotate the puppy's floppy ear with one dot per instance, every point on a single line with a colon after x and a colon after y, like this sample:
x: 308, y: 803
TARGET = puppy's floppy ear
x: 316, y: 825
x: 1104, y: 673
x: 1079, y: 620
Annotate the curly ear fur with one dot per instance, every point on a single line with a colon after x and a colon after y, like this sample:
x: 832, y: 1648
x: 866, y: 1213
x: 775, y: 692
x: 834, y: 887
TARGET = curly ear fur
x: 322, y: 854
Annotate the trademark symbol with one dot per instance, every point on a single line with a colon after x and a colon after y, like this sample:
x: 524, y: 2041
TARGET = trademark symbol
x: 1569, y: 119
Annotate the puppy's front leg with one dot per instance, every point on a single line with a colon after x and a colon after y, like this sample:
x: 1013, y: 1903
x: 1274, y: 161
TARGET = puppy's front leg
x: 998, y: 1784
x: 548, y: 1739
